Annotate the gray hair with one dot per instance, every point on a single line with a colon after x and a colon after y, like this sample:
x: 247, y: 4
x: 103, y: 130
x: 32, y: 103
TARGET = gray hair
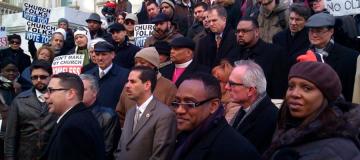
x: 254, y: 75
x: 93, y: 82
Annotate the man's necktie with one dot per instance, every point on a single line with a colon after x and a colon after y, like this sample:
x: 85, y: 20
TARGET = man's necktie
x: 136, y: 118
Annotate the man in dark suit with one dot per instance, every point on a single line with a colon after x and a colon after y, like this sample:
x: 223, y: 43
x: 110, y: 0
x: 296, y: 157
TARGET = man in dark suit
x: 256, y: 119
x: 271, y: 58
x: 219, y: 42
x: 150, y: 128
x: 25, y: 138
x: 183, y: 63
x: 110, y: 76
x: 106, y: 116
x: 342, y: 59
x: 203, y: 131
x: 77, y: 134
x: 295, y: 38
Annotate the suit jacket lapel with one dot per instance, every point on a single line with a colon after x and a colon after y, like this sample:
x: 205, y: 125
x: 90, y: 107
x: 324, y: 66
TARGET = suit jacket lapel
x: 251, y: 118
x: 144, y: 118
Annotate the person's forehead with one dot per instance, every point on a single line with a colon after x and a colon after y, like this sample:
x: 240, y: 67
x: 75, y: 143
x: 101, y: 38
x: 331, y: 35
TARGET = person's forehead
x: 10, y: 67
x: 244, y: 24
x: 237, y: 73
x: 54, y: 82
x: 39, y: 71
x: 58, y: 36
x: 294, y: 14
x: 191, y: 89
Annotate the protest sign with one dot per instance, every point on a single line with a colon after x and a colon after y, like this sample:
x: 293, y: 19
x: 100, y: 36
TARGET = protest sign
x: 343, y: 7
x: 3, y: 37
x: 141, y: 32
x: 68, y: 63
x: 39, y: 32
x: 36, y: 13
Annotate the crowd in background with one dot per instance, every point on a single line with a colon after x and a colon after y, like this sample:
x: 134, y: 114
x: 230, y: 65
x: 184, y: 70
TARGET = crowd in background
x: 205, y: 85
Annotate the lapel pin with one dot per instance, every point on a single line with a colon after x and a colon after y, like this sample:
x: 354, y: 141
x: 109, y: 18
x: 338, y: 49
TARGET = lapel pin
x: 147, y: 115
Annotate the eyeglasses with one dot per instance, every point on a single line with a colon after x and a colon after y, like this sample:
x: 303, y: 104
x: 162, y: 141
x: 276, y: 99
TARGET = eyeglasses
x: 14, y: 42
x: 36, y: 77
x: 176, y: 104
x: 238, y: 31
x: 52, y: 90
x: 233, y: 84
x: 127, y: 22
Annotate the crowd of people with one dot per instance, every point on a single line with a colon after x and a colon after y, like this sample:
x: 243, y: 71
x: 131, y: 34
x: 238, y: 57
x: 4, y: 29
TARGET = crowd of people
x: 203, y: 86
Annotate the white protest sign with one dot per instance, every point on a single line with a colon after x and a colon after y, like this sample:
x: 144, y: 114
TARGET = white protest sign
x: 3, y: 37
x: 343, y: 7
x: 36, y: 13
x: 39, y: 32
x: 68, y: 63
x: 141, y: 32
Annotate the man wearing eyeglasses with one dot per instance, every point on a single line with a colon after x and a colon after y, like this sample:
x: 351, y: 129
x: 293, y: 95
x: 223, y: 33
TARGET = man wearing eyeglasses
x: 29, y: 123
x: 323, y: 48
x: 150, y: 127
x: 256, y: 119
x: 15, y: 53
x: 346, y: 31
x: 204, y: 132
x: 77, y: 134
x: 271, y: 58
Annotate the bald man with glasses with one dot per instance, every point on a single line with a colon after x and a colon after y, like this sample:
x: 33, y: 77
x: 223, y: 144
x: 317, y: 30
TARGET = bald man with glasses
x: 203, y: 131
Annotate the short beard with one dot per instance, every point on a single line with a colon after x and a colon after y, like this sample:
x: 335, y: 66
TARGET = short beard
x: 40, y: 87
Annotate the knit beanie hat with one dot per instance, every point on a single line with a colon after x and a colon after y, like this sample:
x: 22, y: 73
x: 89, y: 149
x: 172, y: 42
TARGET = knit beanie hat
x: 169, y: 3
x: 63, y: 20
x: 83, y: 31
x: 14, y: 36
x: 62, y: 31
x: 149, y: 54
x: 321, y: 75
x: 163, y: 47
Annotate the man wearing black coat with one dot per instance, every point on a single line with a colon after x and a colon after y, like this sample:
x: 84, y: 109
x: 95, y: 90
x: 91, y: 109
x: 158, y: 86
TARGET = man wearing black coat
x: 256, y: 119
x: 340, y: 58
x: 77, y: 134
x: 106, y: 116
x: 295, y: 38
x: 204, y: 132
x: 181, y: 55
x: 271, y: 58
x: 15, y: 53
x: 124, y: 50
x: 94, y: 25
x: 217, y: 44
x: 110, y: 76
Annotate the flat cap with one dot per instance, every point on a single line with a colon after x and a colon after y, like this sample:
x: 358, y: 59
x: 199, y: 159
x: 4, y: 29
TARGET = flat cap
x: 94, y: 17
x: 320, y: 20
x: 116, y: 27
x: 103, y: 47
x: 161, y: 17
x: 182, y: 42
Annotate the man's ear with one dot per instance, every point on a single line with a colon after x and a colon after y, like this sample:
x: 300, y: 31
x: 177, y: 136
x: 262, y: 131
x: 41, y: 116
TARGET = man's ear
x: 214, y: 105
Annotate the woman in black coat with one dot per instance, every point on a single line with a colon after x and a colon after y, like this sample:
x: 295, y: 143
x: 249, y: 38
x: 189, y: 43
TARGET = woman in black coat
x: 314, y: 121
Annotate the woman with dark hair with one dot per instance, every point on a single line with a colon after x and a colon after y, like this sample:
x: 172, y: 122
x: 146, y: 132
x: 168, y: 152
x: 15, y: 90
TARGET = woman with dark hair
x: 314, y: 121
